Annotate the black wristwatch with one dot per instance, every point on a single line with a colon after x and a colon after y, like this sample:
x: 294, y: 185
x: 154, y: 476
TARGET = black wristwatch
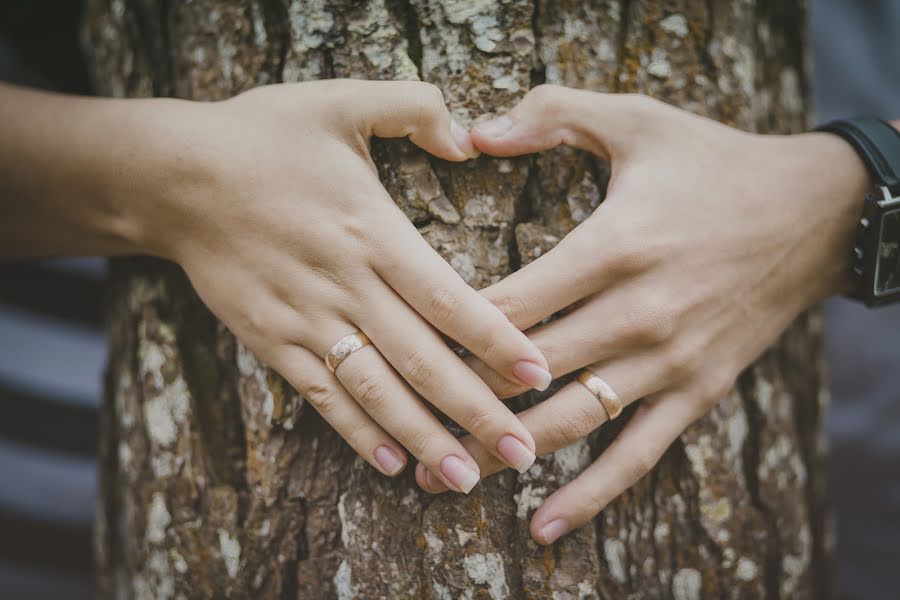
x: 876, y: 249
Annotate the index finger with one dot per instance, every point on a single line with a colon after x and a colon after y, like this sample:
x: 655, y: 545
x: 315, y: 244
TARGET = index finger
x: 436, y: 291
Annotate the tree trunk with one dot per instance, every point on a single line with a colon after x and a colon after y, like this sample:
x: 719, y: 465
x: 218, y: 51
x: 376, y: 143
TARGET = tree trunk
x: 218, y: 481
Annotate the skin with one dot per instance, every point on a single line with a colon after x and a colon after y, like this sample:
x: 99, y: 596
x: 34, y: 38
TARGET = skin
x: 292, y: 259
x: 271, y: 204
x: 710, y: 242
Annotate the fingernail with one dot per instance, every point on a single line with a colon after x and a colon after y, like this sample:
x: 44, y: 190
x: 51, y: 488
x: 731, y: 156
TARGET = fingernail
x: 495, y: 127
x: 515, y: 453
x: 532, y: 375
x: 388, y: 459
x: 459, y: 473
x: 463, y: 140
x: 554, y: 530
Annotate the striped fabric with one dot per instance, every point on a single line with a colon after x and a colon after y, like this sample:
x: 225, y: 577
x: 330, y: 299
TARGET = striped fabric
x: 51, y: 360
x: 52, y: 354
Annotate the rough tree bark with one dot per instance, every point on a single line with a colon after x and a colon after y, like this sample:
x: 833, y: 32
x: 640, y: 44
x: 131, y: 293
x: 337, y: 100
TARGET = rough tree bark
x: 219, y: 482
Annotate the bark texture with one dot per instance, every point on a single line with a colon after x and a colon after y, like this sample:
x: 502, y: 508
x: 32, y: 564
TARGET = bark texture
x: 218, y: 481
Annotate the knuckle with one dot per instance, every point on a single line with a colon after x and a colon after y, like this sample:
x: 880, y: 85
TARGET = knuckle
x: 478, y: 421
x: 371, y: 393
x: 489, y: 349
x: 356, y: 226
x: 418, y: 370
x: 417, y: 443
x: 680, y: 360
x: 254, y: 320
x: 429, y: 102
x: 712, y: 387
x: 544, y: 95
x: 644, y: 461
x: 652, y: 325
x: 322, y: 397
x: 443, y: 305
x: 629, y: 259
x: 512, y: 307
x: 575, y: 425
x: 592, y: 502
x: 640, y: 107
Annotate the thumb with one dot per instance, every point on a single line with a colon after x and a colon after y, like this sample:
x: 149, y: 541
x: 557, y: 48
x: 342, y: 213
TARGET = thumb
x: 414, y: 109
x: 550, y: 115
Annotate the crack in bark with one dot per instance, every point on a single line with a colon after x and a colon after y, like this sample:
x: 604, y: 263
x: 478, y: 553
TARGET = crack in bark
x: 622, y: 45
x: 808, y: 411
x: 752, y: 449
x: 692, y: 503
x: 275, y: 19
x: 409, y: 24
x: 539, y: 71
x: 653, y: 484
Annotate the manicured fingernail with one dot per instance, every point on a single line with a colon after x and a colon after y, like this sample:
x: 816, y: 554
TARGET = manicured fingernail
x: 495, y: 127
x: 515, y: 453
x: 532, y: 375
x: 463, y: 140
x: 459, y: 473
x: 388, y: 459
x: 554, y: 530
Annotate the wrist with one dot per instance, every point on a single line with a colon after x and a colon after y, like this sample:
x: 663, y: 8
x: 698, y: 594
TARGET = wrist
x: 814, y: 187
x: 154, y: 171
x: 843, y: 183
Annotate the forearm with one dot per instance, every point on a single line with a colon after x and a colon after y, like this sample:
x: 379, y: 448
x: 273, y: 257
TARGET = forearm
x: 71, y: 171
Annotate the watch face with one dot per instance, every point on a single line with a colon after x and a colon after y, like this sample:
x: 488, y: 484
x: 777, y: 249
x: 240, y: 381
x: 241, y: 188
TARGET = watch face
x: 887, y: 265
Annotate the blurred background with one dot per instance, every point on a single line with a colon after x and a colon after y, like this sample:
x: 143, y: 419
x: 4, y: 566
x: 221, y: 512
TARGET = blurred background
x: 52, y: 347
x: 52, y: 353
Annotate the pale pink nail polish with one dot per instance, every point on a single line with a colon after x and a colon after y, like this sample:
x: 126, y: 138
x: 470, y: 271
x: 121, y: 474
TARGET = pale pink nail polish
x: 515, y: 453
x: 459, y: 473
x: 495, y: 128
x: 532, y: 375
x: 554, y: 530
x: 389, y: 461
x: 463, y: 140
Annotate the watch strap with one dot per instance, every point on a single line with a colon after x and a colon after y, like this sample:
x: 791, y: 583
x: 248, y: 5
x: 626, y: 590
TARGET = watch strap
x: 876, y: 142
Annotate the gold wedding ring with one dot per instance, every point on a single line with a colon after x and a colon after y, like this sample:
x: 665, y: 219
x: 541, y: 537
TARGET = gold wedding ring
x: 346, y: 346
x: 605, y: 394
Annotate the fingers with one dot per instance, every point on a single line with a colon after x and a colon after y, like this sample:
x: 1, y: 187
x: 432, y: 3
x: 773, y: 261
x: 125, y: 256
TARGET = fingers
x: 574, y: 269
x: 421, y: 358
x: 635, y: 451
x: 371, y: 380
x: 307, y: 374
x: 573, y: 412
x: 551, y: 115
x: 616, y: 321
x: 434, y: 289
x: 413, y: 109
x: 544, y: 286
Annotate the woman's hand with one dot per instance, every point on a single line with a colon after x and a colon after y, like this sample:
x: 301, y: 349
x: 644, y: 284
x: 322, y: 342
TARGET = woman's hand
x: 709, y: 243
x: 272, y: 205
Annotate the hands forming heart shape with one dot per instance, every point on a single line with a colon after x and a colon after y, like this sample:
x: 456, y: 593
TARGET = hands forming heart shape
x: 709, y: 243
x: 693, y: 265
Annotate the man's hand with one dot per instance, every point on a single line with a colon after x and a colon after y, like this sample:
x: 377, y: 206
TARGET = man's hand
x: 709, y: 243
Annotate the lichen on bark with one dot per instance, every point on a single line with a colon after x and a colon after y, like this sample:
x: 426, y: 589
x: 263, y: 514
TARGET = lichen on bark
x: 219, y: 481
